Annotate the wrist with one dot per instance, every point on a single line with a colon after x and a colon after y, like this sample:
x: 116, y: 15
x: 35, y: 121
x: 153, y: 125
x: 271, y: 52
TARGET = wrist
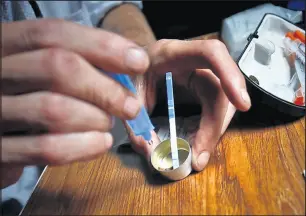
x: 128, y: 21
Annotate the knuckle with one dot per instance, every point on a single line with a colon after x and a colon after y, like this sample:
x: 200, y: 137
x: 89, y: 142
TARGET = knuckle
x: 61, y: 63
x: 52, y: 109
x: 111, y: 41
x: 166, y: 47
x: 215, y: 44
x: 111, y: 99
x: 162, y: 42
x: 114, y: 98
x: 91, y: 94
x: 49, y: 152
x: 213, y: 49
x: 108, y: 122
x: 101, y: 141
x: 43, y: 33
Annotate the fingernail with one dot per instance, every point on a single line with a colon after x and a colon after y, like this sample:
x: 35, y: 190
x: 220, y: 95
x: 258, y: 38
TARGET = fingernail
x: 108, y: 139
x: 245, y: 96
x: 131, y: 106
x: 202, y: 160
x: 136, y: 59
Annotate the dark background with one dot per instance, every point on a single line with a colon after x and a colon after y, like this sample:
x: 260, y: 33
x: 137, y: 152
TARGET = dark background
x: 186, y: 19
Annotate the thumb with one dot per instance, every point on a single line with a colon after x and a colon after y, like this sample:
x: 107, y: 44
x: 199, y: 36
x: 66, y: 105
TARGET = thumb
x: 202, y: 144
x: 140, y: 145
x: 144, y: 85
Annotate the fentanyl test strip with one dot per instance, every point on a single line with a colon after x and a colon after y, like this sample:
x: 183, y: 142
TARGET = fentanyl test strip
x: 171, y: 113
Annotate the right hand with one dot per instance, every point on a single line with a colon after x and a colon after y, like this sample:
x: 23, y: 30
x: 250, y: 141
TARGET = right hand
x: 49, y: 79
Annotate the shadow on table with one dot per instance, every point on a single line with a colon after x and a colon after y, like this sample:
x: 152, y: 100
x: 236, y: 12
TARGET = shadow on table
x: 260, y: 118
x: 133, y: 160
x: 255, y: 119
x: 50, y: 203
x: 10, y: 207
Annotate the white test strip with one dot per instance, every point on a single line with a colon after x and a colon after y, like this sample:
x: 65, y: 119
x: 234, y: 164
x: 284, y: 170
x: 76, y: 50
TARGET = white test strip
x: 171, y: 113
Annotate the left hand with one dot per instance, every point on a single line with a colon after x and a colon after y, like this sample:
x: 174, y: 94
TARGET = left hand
x: 205, y: 70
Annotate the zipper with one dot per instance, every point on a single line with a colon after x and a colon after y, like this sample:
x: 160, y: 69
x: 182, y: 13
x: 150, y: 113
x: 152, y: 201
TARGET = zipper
x: 36, y: 9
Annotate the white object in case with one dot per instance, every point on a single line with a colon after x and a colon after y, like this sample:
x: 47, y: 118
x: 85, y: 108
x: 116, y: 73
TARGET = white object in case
x: 268, y: 63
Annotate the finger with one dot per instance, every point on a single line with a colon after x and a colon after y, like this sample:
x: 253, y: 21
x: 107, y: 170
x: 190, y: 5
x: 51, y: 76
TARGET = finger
x: 190, y: 55
x: 141, y: 146
x: 214, y: 109
x: 68, y: 73
x: 231, y: 110
x: 101, y: 48
x: 204, y: 142
x: 55, y: 149
x: 56, y: 112
x: 211, y: 83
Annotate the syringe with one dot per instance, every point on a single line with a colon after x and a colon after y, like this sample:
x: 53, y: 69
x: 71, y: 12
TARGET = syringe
x: 297, y: 47
x: 141, y: 125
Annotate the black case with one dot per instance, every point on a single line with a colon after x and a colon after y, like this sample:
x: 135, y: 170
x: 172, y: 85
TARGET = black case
x: 262, y: 99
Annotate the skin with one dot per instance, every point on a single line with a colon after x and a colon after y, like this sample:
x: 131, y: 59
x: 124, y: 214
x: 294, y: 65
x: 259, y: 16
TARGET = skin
x: 51, y: 89
x: 216, y: 83
x: 49, y: 82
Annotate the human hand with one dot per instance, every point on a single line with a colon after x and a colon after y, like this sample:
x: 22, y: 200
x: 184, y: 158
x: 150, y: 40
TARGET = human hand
x: 49, y: 81
x: 205, y: 70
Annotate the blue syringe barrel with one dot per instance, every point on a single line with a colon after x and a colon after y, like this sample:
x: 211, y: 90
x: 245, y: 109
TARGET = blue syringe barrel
x: 141, y: 125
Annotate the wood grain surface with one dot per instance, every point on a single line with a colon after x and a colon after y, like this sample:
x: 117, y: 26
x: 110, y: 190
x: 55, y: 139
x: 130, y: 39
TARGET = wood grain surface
x: 256, y: 169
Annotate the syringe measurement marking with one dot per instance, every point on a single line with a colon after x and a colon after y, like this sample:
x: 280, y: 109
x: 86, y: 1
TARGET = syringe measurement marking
x: 171, y: 113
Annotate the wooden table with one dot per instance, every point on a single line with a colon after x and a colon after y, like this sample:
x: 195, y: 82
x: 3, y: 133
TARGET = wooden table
x: 256, y: 169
